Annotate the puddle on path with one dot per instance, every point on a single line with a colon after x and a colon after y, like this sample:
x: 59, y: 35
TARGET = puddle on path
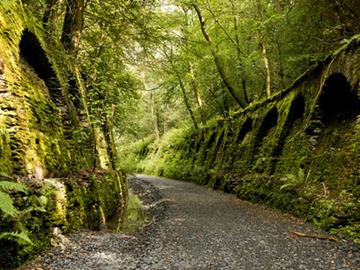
x: 135, y: 215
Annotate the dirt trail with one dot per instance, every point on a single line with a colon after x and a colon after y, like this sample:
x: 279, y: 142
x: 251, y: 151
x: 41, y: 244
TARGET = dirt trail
x: 196, y: 228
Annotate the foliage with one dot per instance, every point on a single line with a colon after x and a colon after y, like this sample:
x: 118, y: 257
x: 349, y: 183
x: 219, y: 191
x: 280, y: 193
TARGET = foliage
x: 8, y: 209
x: 154, y: 70
x: 148, y: 66
x: 293, y: 181
x: 20, y: 237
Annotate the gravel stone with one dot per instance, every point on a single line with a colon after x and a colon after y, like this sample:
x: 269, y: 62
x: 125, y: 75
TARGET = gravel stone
x: 193, y: 227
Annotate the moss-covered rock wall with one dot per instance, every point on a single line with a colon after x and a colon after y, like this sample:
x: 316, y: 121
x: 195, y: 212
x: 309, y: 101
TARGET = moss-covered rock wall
x: 47, y: 141
x: 298, y: 150
x: 37, y: 112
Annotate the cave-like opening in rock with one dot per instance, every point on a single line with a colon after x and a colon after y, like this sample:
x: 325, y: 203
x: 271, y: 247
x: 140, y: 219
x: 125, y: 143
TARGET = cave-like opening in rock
x: 267, y: 124
x: 217, y: 146
x: 296, y: 113
x: 208, y: 146
x: 337, y: 101
x: 75, y: 94
x: 245, y: 129
x: 33, y: 53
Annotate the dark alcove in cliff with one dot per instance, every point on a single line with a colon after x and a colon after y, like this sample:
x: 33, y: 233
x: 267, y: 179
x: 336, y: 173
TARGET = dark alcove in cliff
x: 75, y: 94
x: 209, y: 144
x: 267, y: 124
x: 296, y: 113
x: 33, y: 53
x: 245, y: 129
x: 337, y: 102
x: 199, y: 143
x: 217, y: 146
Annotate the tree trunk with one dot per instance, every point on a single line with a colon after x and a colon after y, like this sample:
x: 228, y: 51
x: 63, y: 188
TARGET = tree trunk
x: 186, y: 99
x: 267, y: 69
x: 49, y: 12
x: 154, y: 117
x: 237, y: 41
x: 73, y: 23
x: 217, y: 61
x: 222, y: 110
x: 196, y: 92
x: 187, y: 103
x: 282, y: 74
x: 192, y: 75
x: 264, y: 52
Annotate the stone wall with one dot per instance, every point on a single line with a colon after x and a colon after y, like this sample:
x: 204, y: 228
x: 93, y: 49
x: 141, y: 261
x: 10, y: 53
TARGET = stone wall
x: 298, y: 151
x: 47, y: 141
x: 40, y: 126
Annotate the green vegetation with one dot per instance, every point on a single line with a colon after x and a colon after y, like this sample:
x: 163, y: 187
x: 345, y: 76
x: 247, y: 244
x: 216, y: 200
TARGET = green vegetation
x: 7, y: 209
x: 241, y: 96
x: 28, y: 224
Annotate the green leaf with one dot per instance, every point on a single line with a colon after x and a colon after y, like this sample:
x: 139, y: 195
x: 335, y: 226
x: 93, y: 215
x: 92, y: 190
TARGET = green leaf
x: 12, y: 186
x: 20, y: 237
x: 7, y: 206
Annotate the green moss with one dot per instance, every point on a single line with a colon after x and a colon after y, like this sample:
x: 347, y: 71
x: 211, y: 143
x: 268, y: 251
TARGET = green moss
x: 68, y: 204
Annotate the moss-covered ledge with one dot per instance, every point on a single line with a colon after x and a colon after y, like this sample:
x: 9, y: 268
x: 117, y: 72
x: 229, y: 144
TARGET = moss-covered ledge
x: 93, y: 200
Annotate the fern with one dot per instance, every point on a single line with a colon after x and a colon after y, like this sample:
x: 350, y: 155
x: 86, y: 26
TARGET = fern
x: 7, y: 206
x: 5, y: 175
x: 20, y: 237
x: 12, y: 186
x: 293, y: 180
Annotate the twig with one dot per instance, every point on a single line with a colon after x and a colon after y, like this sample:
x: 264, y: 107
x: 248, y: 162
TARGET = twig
x: 321, y: 237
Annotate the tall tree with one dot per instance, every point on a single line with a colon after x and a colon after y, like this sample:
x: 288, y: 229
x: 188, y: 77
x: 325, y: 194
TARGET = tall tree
x: 73, y: 24
x: 263, y: 47
x: 241, y: 101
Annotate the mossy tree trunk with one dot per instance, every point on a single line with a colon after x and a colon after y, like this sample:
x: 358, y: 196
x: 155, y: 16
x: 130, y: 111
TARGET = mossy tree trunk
x: 49, y: 11
x: 154, y: 118
x: 264, y: 50
x: 73, y: 23
x: 198, y: 98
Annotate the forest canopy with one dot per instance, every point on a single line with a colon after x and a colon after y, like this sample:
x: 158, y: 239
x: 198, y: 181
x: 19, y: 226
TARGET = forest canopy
x: 153, y: 65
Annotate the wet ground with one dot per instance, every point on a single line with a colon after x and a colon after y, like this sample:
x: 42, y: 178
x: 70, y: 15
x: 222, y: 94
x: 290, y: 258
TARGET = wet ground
x: 193, y: 227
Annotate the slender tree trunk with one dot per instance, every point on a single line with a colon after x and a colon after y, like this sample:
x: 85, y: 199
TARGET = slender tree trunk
x: 187, y: 103
x: 237, y: 41
x: 154, y: 117
x: 282, y: 74
x: 267, y: 69
x: 73, y: 23
x: 241, y: 102
x: 194, y: 85
x: 236, y: 44
x: 183, y: 90
x: 196, y: 92
x: 192, y: 76
x: 264, y: 52
x: 222, y: 110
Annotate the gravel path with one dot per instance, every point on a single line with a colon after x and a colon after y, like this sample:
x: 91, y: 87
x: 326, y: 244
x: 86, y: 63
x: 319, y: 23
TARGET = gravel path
x: 196, y: 228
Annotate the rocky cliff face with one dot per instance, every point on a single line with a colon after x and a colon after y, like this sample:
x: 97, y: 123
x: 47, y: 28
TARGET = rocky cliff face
x: 298, y: 151
x: 40, y: 125
x: 46, y: 139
